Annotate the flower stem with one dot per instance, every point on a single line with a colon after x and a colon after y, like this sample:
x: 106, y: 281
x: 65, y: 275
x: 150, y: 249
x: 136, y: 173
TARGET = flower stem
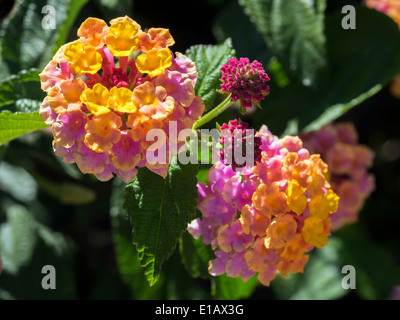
x: 214, y: 112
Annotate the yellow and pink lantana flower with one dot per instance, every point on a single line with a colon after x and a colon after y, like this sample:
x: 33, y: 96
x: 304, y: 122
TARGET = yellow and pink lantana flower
x: 264, y: 218
x: 109, y: 88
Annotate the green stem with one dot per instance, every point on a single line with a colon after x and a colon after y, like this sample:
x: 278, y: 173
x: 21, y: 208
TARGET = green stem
x: 214, y: 112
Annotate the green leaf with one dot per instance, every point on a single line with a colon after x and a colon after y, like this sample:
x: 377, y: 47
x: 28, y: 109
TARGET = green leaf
x: 25, y: 43
x: 337, y: 110
x: 68, y: 193
x: 13, y: 125
x: 174, y: 282
x: 22, y: 183
x: 375, y: 43
x: 17, y: 182
x: 203, y: 172
x: 226, y: 288
x: 129, y: 265
x: 17, y: 239
x: 159, y: 210
x: 349, y: 52
x: 195, y: 256
x: 245, y: 39
x: 209, y: 59
x: 21, y: 92
x: 294, y: 32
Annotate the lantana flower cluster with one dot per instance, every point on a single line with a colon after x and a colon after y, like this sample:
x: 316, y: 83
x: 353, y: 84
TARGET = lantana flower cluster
x: 348, y: 163
x: 265, y: 218
x: 109, y: 88
x: 245, y: 81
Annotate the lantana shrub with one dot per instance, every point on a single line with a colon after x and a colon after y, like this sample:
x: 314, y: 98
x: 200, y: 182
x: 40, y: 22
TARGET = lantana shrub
x: 117, y: 99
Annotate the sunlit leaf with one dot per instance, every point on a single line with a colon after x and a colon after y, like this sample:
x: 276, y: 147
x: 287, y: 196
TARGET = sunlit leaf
x: 160, y: 210
x: 226, y: 288
x: 294, y: 32
x: 209, y: 59
x: 13, y: 125
x: 21, y: 92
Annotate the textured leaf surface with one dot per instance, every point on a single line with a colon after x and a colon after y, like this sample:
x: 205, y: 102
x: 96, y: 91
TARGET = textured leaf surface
x: 13, y: 125
x: 209, y: 59
x: 361, y: 62
x: 25, y: 43
x: 129, y: 265
x: 17, y: 239
x: 159, y: 210
x: 226, y: 288
x: 21, y: 92
x: 294, y: 32
x: 195, y: 256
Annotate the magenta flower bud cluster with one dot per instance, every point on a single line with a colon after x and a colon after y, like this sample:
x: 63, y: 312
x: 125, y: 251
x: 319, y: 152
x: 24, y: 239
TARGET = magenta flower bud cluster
x: 348, y: 163
x: 245, y: 81
x: 237, y: 137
